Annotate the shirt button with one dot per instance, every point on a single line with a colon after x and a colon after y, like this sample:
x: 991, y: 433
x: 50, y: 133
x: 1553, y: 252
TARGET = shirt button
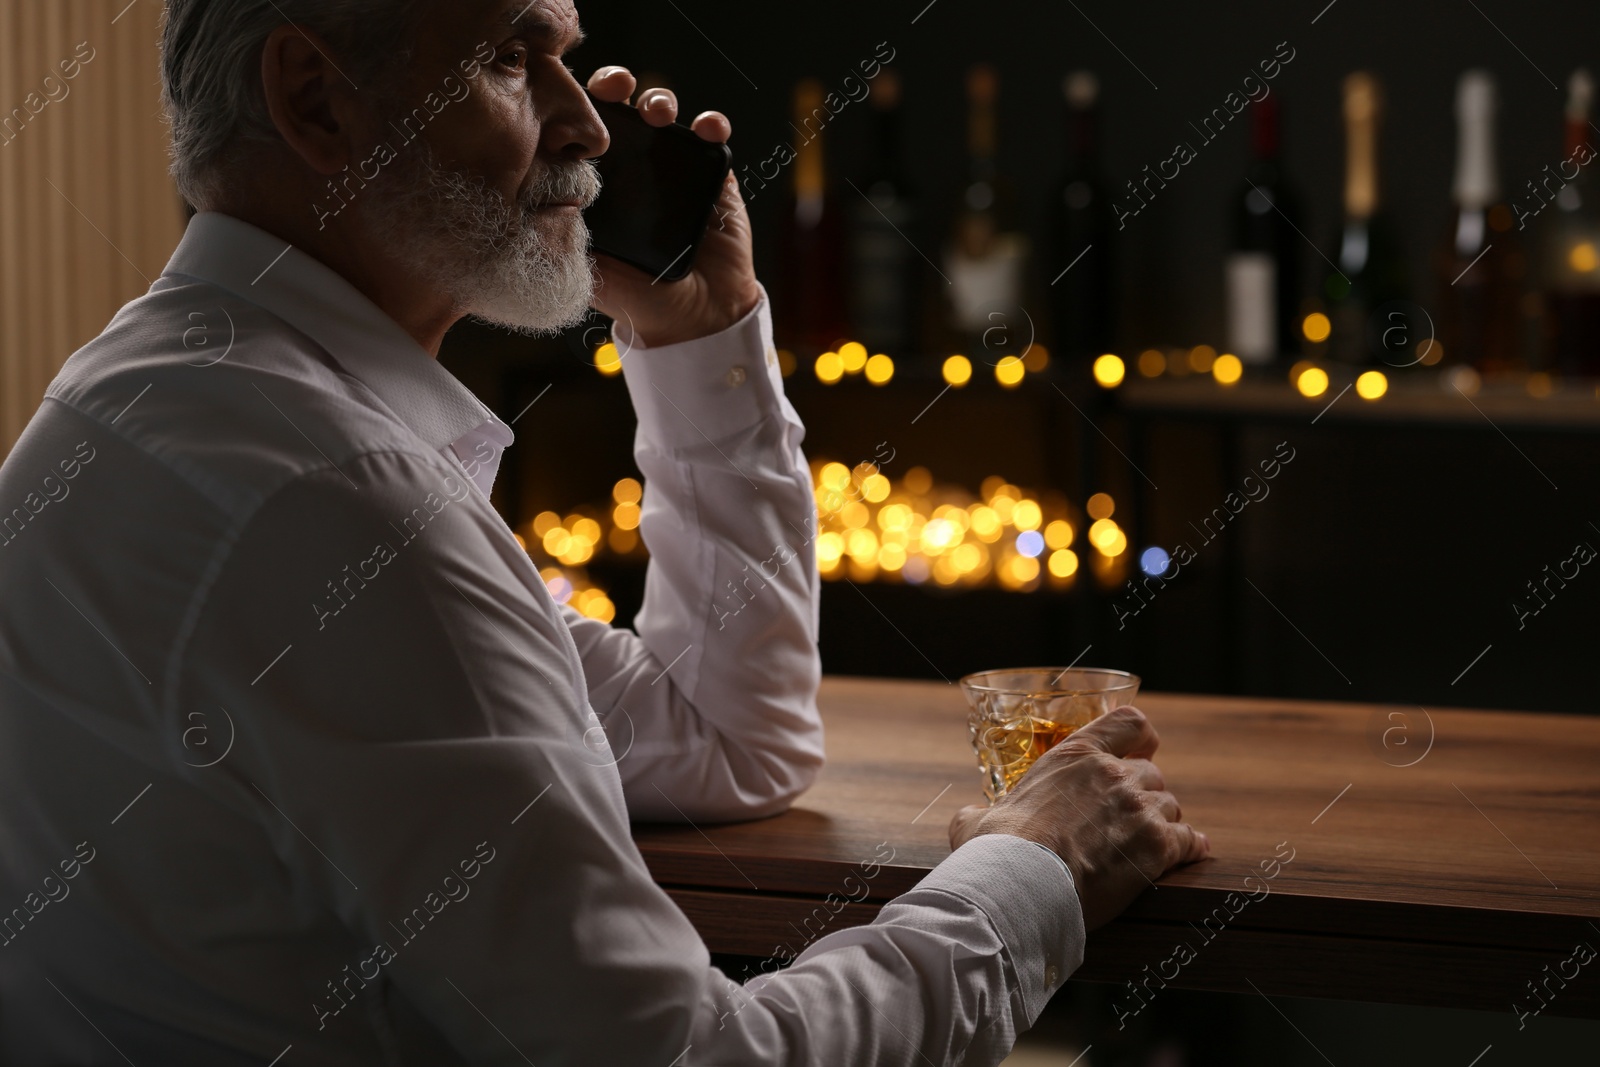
x: 736, y: 376
x: 772, y: 357
x: 1052, y: 976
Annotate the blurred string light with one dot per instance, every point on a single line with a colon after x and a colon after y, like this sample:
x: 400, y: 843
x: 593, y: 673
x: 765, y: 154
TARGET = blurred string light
x: 1010, y: 371
x: 1371, y: 385
x: 1109, y: 371
x: 1227, y: 369
x: 1316, y: 327
x: 608, y: 360
x: 957, y: 371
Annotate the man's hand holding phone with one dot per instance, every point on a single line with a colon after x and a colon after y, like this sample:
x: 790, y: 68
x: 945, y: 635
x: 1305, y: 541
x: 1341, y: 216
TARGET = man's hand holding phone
x: 721, y: 288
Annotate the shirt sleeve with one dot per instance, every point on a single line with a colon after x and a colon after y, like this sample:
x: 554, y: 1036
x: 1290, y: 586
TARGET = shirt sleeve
x: 412, y: 745
x: 711, y: 706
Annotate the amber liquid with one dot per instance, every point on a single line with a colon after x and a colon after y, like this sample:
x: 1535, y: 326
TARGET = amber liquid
x: 1007, y: 749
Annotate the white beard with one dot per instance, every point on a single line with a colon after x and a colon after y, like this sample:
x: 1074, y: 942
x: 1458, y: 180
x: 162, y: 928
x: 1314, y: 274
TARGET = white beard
x: 490, y: 258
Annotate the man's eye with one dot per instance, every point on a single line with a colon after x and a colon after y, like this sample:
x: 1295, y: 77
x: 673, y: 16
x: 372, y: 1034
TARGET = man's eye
x: 515, y: 59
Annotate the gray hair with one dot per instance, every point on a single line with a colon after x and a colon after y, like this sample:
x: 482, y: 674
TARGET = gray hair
x: 211, y: 71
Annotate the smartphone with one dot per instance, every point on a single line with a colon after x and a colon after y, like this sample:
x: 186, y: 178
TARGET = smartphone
x: 659, y: 189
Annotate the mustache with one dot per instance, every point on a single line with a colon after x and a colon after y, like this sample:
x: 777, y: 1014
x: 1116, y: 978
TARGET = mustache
x: 564, y: 183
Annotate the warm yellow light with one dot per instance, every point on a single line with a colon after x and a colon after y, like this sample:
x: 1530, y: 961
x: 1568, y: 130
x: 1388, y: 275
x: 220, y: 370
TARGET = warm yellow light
x: 588, y: 530
x: 1313, y: 381
x: 966, y: 558
x: 625, y: 516
x: 875, y: 487
x: 1058, y: 534
x: 1103, y: 534
x: 1063, y: 563
x: 1109, y: 371
x: 1583, y: 258
x: 895, y: 517
x: 600, y: 607
x: 986, y: 523
x: 622, y: 541
x: 880, y: 369
x: 544, y: 522
x: 1027, y: 515
x: 862, y: 545
x: 892, y: 557
x: 1201, y: 357
x: 918, y: 480
x: 1316, y: 327
x: 608, y: 360
x: 1430, y: 352
x: 1152, y: 363
x: 1004, y: 505
x: 1372, y: 385
x: 830, y: 546
x: 1101, y: 506
x: 830, y: 368
x: 958, y: 371
x: 1009, y: 372
x: 1540, y: 384
x: 1036, y: 358
x: 1227, y: 369
x: 578, y: 551
x: 1118, y: 545
x: 938, y: 535
x: 853, y: 356
x: 854, y: 515
x: 557, y: 542
x: 627, y: 491
x: 834, y: 476
x: 1023, y: 569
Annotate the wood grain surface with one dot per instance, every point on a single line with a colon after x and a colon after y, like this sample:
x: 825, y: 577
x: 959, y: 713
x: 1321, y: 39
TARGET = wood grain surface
x: 1439, y: 856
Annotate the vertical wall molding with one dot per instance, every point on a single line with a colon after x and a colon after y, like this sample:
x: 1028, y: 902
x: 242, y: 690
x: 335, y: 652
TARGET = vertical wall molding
x: 88, y: 214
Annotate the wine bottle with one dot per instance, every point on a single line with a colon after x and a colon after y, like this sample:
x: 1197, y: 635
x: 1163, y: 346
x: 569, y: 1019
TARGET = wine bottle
x: 1479, y: 264
x: 882, y: 278
x: 986, y: 257
x: 811, y: 243
x: 1571, y: 245
x: 1371, y: 271
x: 1081, y: 298
x: 1263, y: 271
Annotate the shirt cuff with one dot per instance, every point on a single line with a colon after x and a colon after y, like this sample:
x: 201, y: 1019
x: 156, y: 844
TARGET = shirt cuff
x: 706, y: 389
x: 1028, y: 894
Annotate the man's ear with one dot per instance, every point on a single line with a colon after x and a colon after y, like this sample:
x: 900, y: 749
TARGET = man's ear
x: 315, y: 107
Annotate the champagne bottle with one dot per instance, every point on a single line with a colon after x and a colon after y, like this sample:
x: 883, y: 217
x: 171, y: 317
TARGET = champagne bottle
x: 812, y: 237
x: 1371, y: 271
x: 882, y: 278
x: 1081, y: 296
x: 1571, y: 246
x: 986, y: 258
x: 1263, y: 271
x: 1478, y: 265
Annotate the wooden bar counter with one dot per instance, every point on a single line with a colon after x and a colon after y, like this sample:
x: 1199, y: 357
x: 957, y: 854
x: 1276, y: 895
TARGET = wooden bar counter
x: 1435, y: 857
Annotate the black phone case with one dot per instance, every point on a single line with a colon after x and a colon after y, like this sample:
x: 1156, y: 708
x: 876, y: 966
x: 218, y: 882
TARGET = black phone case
x: 630, y: 221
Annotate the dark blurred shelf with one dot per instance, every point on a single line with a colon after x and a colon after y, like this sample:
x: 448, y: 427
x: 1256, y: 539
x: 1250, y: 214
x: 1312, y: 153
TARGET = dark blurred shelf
x: 1423, y: 400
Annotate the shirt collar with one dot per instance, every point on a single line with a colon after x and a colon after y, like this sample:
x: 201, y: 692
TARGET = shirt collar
x: 316, y: 300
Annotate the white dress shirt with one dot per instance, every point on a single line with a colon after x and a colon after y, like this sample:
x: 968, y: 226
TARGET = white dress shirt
x: 300, y: 762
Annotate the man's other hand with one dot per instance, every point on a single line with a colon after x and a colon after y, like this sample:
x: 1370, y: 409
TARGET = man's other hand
x: 1098, y: 802
x: 722, y: 288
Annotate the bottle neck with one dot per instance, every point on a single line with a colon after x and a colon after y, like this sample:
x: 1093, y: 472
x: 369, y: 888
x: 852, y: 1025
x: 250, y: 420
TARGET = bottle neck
x: 1361, y: 164
x: 1476, y: 184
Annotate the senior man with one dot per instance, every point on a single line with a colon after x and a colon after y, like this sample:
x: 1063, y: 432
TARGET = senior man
x: 301, y: 764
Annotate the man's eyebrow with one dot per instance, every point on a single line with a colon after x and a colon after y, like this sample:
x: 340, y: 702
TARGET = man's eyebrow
x: 538, y: 22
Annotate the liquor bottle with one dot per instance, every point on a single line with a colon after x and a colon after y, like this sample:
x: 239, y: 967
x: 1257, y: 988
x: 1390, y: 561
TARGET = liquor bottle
x: 882, y: 217
x: 811, y: 243
x: 1571, y: 245
x: 1263, y: 271
x: 986, y: 258
x: 1371, y: 270
x: 1081, y: 296
x: 1478, y: 266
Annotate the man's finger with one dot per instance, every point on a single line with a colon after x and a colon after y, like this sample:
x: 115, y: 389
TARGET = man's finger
x: 712, y: 126
x: 1147, y: 774
x: 1123, y: 732
x: 1192, y: 844
x: 1168, y: 805
x: 961, y: 823
x: 612, y: 84
x: 659, y: 106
